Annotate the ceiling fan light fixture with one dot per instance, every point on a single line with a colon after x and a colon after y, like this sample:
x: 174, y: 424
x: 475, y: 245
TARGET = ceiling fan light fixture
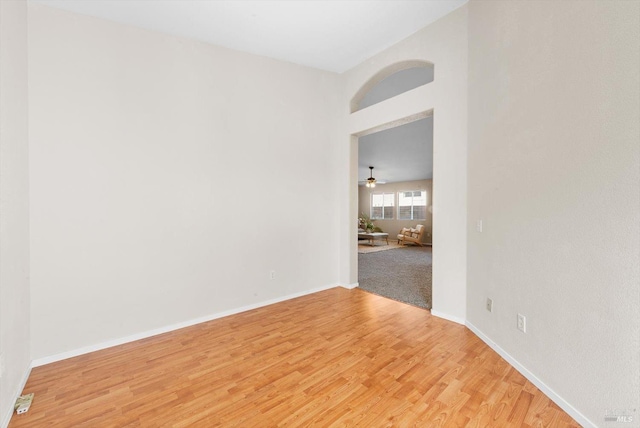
x: 371, y: 182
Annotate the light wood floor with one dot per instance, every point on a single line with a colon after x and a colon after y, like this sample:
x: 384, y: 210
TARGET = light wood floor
x: 336, y: 358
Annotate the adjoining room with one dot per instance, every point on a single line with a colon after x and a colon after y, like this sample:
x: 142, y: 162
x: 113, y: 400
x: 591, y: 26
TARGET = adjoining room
x: 395, y: 212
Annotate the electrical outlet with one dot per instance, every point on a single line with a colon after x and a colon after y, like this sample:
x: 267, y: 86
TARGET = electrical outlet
x: 272, y: 274
x: 489, y: 305
x: 522, y: 323
x: 479, y: 225
x: 2, y: 365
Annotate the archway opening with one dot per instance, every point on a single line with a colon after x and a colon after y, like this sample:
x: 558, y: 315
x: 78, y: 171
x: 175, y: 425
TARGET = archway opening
x: 392, y: 81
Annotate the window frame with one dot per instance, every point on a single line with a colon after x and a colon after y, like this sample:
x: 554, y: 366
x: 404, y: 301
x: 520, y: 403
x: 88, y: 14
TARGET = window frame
x: 393, y: 202
x: 426, y: 203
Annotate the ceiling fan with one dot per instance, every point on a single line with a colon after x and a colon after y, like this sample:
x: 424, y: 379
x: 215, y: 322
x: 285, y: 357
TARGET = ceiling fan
x: 371, y: 181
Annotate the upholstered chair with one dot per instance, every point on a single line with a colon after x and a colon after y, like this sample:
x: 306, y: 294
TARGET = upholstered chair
x: 412, y: 235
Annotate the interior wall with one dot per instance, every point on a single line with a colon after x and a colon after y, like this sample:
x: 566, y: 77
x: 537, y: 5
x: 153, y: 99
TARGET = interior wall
x: 443, y: 43
x: 168, y: 178
x: 393, y: 226
x: 14, y: 205
x: 554, y: 173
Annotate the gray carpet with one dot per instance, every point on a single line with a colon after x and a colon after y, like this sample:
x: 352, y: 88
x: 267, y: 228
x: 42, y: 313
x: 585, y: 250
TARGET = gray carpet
x: 402, y: 274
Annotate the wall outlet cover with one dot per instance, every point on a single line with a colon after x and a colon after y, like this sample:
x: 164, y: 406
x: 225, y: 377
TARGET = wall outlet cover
x: 522, y: 323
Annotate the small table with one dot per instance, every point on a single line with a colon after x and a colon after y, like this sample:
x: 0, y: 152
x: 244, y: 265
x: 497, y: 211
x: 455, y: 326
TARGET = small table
x: 371, y: 237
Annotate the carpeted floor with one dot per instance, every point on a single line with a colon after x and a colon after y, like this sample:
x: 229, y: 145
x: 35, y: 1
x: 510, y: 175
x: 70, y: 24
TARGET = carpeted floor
x: 402, y: 274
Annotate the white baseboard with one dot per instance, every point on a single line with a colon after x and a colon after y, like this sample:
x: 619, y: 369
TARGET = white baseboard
x: 350, y: 286
x: 562, y: 403
x: 7, y: 417
x: 447, y: 317
x: 143, y: 335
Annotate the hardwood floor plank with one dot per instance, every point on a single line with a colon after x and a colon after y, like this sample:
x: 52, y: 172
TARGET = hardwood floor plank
x: 338, y: 358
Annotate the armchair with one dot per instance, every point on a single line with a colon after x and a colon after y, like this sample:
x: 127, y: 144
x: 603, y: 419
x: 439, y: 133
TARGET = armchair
x: 413, y: 236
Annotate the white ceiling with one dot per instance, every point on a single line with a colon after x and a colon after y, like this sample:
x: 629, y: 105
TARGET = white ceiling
x: 404, y: 153
x: 329, y: 35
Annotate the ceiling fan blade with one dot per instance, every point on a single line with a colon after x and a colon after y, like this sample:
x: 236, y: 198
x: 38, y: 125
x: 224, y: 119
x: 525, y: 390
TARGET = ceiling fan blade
x: 377, y: 182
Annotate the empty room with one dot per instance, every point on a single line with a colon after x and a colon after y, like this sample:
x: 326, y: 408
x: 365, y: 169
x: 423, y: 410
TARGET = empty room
x: 154, y: 268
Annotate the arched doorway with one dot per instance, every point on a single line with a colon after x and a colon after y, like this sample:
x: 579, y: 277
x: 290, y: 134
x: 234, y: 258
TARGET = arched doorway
x: 404, y: 87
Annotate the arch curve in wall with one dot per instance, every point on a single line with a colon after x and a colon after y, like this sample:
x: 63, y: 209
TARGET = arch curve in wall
x: 383, y: 74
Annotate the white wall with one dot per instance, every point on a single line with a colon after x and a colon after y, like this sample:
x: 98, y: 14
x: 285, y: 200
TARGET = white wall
x: 168, y: 177
x: 554, y: 172
x: 444, y: 43
x: 14, y: 204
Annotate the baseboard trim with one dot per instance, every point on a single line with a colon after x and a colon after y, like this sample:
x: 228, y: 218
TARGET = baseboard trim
x: 447, y: 317
x: 350, y: 286
x: 143, y: 335
x: 561, y: 402
x: 25, y: 377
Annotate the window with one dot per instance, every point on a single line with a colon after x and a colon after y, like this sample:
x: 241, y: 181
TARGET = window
x: 382, y: 206
x: 412, y: 205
